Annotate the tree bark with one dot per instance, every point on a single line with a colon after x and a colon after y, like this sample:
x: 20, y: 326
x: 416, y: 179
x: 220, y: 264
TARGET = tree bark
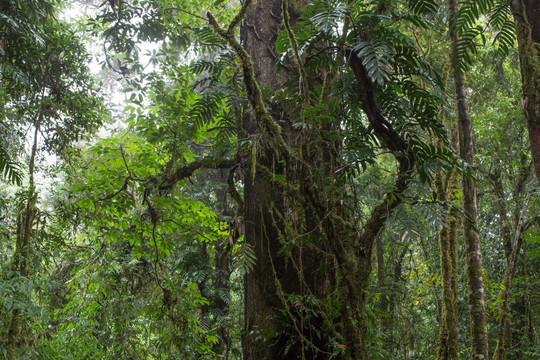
x: 480, y: 349
x: 527, y: 22
x: 448, y: 334
x: 271, y: 207
x: 304, y: 239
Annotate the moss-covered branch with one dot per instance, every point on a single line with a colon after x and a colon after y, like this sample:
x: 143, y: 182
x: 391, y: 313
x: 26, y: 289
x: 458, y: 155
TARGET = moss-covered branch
x: 264, y: 120
x: 297, y: 62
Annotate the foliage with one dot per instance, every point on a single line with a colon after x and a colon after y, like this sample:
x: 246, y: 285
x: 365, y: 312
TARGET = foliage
x: 139, y: 247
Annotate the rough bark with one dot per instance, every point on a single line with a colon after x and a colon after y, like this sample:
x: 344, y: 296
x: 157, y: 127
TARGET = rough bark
x: 480, y: 349
x: 303, y: 213
x: 270, y: 212
x: 527, y: 22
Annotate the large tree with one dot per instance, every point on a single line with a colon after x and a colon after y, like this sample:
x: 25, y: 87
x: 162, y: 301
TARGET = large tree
x: 308, y: 244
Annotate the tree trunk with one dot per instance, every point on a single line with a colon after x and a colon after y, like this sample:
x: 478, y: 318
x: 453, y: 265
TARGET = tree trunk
x: 504, y: 295
x: 527, y: 22
x: 262, y: 198
x: 23, y: 253
x: 479, y: 335
x: 303, y: 236
x: 448, y: 334
x: 278, y: 212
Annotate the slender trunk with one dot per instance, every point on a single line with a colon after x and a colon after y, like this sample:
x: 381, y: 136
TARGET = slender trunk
x: 222, y: 298
x: 504, y: 295
x: 383, y: 287
x: 510, y: 249
x: 448, y: 334
x: 479, y: 335
x: 222, y: 268
x: 527, y: 23
x: 23, y: 253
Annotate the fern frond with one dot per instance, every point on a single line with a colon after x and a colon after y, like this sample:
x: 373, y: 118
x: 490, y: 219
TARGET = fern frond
x: 505, y: 37
x: 9, y: 169
x: 206, y: 37
x: 500, y: 19
x: 466, y: 46
x: 423, y: 7
x: 208, y: 105
x: 499, y: 14
x: 329, y: 20
x: 376, y: 56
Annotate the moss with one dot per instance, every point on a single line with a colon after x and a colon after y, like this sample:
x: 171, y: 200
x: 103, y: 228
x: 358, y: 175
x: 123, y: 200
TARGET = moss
x: 266, y: 123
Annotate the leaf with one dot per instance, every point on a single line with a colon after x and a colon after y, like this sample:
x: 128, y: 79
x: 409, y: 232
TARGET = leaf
x: 423, y: 7
x: 329, y: 20
x: 376, y: 57
x: 9, y: 169
x: 245, y: 258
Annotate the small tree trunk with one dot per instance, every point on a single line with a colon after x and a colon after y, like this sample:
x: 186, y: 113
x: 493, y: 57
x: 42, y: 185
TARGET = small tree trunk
x: 504, y: 295
x: 448, y: 334
x: 479, y: 335
x: 22, y: 254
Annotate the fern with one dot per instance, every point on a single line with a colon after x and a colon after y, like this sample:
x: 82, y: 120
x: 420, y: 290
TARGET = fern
x: 9, y: 169
x: 376, y: 57
x: 505, y: 37
x: 466, y: 25
x: 466, y: 46
x: 500, y: 19
x: 206, y: 37
x: 244, y: 256
x: 329, y: 20
x: 216, y: 67
x: 218, y: 102
x: 208, y: 105
x: 423, y: 7
x: 500, y: 14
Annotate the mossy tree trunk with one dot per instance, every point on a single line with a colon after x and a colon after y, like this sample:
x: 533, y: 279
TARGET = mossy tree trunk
x: 309, y: 253
x: 527, y: 22
x: 281, y: 215
x: 480, y: 349
x: 447, y: 190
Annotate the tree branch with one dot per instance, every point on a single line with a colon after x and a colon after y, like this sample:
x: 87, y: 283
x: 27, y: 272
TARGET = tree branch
x: 263, y: 118
x: 367, y: 91
x: 169, y: 181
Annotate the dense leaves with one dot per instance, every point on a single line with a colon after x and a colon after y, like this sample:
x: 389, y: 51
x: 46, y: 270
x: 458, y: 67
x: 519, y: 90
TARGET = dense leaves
x: 138, y: 245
